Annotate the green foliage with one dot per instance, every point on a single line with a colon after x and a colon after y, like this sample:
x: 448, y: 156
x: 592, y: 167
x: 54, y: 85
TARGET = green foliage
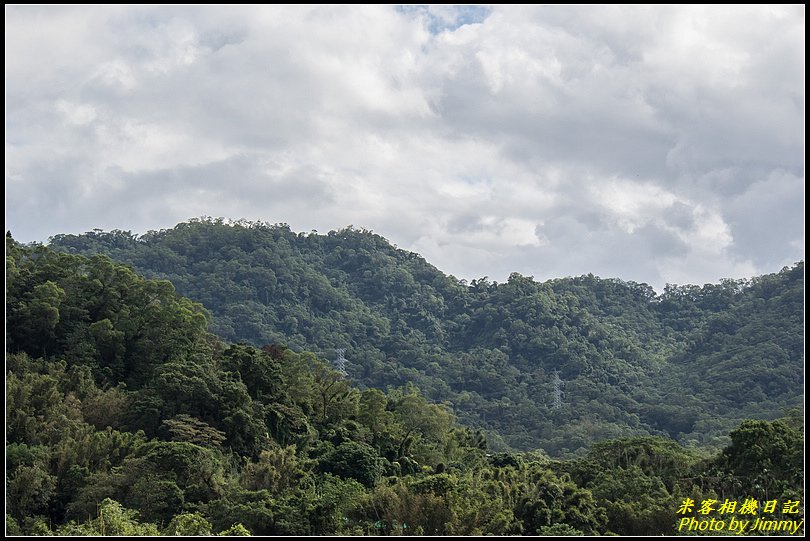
x: 253, y: 509
x: 635, y: 503
x: 353, y: 460
x: 690, y: 363
x: 93, y: 312
x: 112, y: 519
x: 188, y: 524
x: 37, y: 527
x: 12, y: 528
x: 277, y: 470
x: 556, y: 530
x: 184, y: 427
x: 29, y: 490
x: 237, y: 530
x: 653, y: 456
x: 767, y: 458
x: 125, y: 417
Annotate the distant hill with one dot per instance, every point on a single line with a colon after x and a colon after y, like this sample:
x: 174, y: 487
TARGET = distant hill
x: 555, y: 365
x: 124, y: 416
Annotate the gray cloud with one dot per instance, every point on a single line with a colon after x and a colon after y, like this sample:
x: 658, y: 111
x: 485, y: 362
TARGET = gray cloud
x: 653, y: 144
x: 766, y: 217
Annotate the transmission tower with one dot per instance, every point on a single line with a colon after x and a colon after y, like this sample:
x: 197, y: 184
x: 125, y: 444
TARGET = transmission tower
x: 340, y: 362
x: 558, y: 392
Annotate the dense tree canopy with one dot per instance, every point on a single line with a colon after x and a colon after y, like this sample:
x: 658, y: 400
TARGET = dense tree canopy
x: 125, y: 416
x: 556, y: 365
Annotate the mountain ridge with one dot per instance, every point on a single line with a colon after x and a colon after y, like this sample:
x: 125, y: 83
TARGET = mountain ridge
x: 125, y: 416
x: 633, y: 361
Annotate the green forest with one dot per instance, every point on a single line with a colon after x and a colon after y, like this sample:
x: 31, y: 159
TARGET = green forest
x: 182, y: 383
x: 556, y: 365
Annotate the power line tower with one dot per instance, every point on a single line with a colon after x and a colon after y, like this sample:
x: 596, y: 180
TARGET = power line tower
x: 340, y: 363
x: 558, y: 392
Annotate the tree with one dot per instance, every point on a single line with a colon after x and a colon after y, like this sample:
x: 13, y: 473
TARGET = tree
x: 278, y: 470
x: 29, y: 491
x: 188, y: 524
x: 36, y: 317
x: 353, y: 460
x: 635, y: 503
x: 558, y: 530
x: 337, y: 398
x: 184, y: 427
x: 768, y: 458
x: 112, y: 519
x: 418, y: 418
x: 253, y: 509
x: 237, y: 530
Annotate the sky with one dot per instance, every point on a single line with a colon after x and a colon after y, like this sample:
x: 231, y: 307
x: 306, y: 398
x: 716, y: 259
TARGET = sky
x: 653, y: 144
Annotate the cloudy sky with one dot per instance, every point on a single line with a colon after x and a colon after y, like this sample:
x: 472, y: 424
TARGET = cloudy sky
x: 652, y: 144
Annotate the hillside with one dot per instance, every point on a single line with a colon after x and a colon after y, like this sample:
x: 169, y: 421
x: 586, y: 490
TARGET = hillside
x: 556, y: 365
x: 124, y: 416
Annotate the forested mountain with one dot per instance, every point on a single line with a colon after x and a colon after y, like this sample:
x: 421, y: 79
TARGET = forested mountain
x: 555, y: 365
x: 124, y: 416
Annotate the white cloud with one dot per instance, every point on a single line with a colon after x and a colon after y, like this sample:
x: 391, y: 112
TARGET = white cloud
x: 656, y: 144
x: 76, y: 113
